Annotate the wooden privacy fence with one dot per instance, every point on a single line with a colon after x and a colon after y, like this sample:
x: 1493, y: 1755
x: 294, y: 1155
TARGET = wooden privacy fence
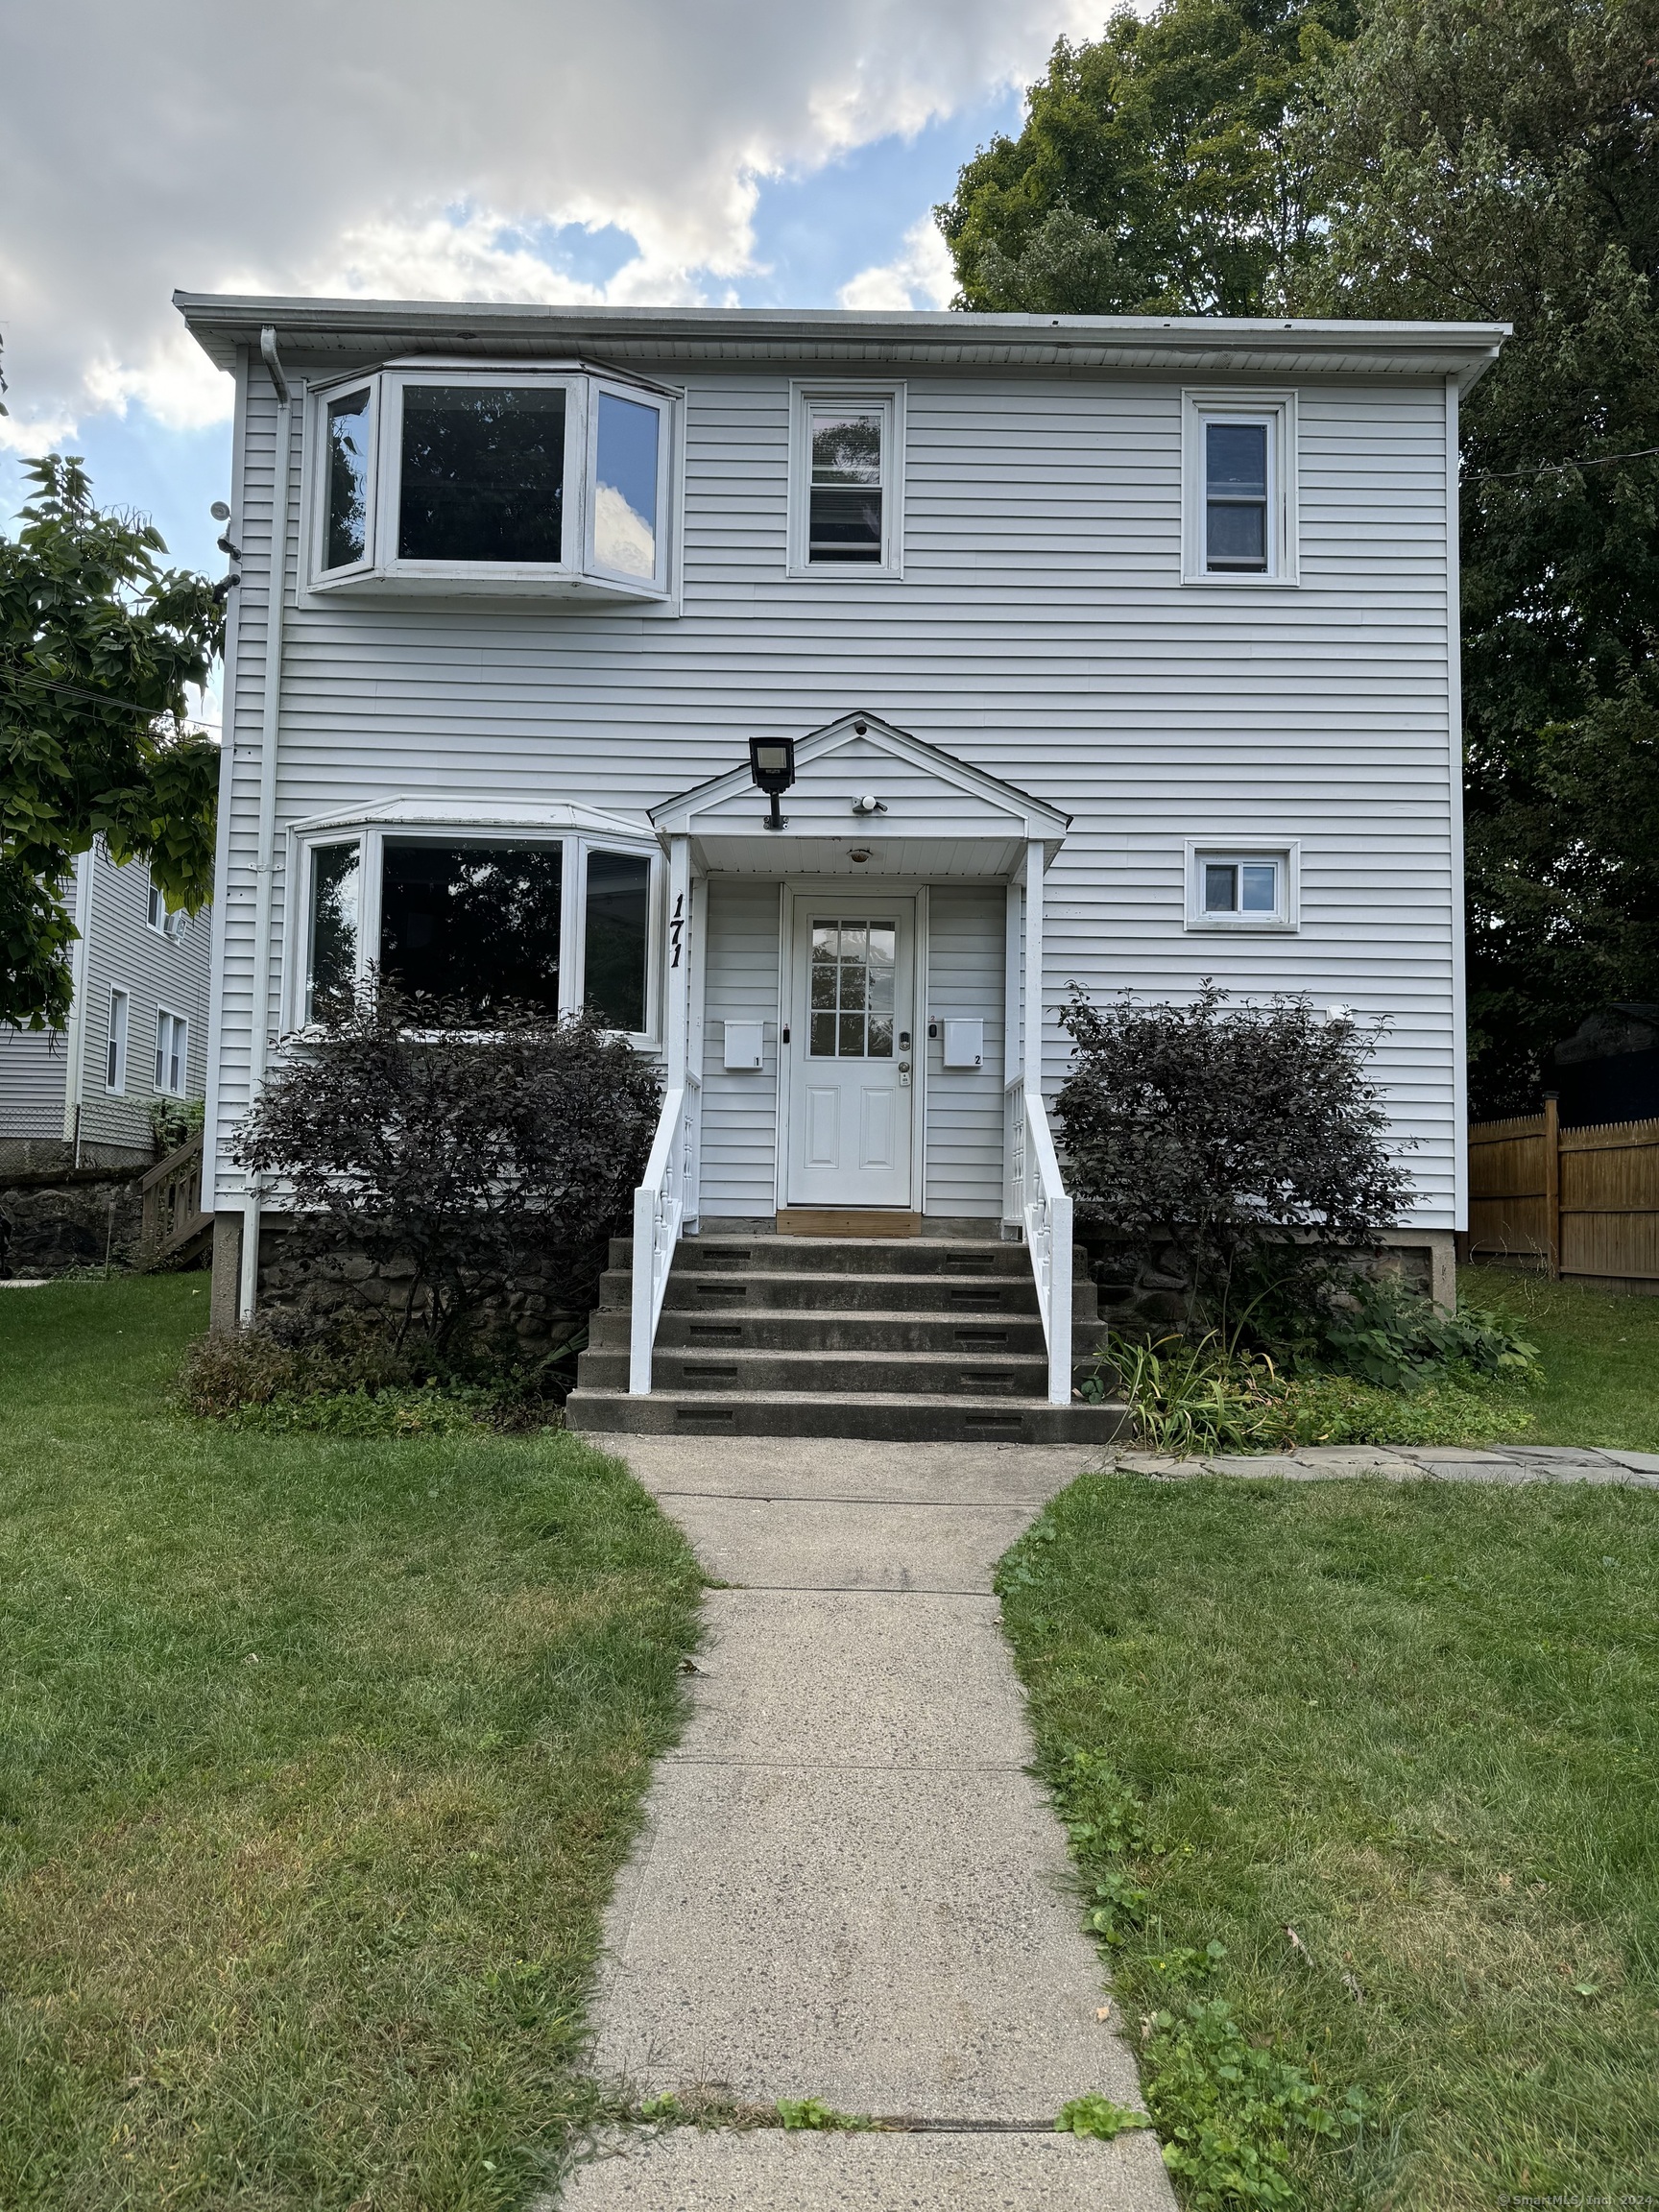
x: 1578, y: 1202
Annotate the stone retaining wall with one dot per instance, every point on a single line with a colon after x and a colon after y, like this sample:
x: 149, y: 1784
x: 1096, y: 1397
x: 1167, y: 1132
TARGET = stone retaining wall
x: 54, y: 1228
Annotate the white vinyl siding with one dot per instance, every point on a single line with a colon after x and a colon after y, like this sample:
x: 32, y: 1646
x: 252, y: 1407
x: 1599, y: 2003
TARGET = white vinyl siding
x: 741, y: 1109
x: 966, y: 957
x: 33, y: 1069
x: 1041, y: 631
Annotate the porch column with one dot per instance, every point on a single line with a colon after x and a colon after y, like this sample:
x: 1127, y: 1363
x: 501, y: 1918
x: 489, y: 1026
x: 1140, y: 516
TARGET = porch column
x: 677, y: 1009
x: 1033, y: 1020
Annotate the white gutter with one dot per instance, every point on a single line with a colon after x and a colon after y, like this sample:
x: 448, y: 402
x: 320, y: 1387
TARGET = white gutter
x: 265, y: 862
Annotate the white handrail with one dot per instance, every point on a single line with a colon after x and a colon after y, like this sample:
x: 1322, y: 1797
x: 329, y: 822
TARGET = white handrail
x: 1034, y: 1195
x: 661, y: 1204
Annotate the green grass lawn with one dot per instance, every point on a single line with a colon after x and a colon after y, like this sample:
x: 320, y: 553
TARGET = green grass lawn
x: 1600, y: 1353
x: 318, y: 1757
x: 1419, y: 1724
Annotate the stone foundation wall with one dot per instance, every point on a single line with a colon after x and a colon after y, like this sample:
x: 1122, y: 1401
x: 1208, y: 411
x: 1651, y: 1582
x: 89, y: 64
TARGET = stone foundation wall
x: 537, y: 1311
x: 1139, y: 1295
x: 54, y: 1228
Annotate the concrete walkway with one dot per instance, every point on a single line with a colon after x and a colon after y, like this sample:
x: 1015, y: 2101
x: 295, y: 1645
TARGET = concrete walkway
x: 849, y: 1887
x: 1505, y: 1464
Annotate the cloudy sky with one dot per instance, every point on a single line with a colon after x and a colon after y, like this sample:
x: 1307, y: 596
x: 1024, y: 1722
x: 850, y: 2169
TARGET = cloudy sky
x: 752, y: 153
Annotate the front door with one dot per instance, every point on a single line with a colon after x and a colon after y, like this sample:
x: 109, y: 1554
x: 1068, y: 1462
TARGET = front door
x: 853, y: 998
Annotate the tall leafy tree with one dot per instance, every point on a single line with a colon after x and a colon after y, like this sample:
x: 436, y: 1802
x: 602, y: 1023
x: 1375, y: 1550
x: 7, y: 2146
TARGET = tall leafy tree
x: 1156, y: 172
x: 99, y: 647
x: 1496, y: 159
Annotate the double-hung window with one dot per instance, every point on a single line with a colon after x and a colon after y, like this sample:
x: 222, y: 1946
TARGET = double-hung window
x: 115, y: 1043
x: 1239, y: 470
x: 172, y: 1053
x: 474, y: 919
x: 457, y: 478
x: 846, y: 482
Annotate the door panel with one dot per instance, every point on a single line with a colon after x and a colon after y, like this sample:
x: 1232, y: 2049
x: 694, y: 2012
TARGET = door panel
x: 852, y: 980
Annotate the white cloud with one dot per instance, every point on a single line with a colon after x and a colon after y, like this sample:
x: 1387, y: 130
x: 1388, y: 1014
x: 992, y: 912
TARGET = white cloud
x: 919, y: 277
x: 324, y: 147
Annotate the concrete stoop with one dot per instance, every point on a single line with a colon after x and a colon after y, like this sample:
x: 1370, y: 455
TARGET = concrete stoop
x: 919, y: 1339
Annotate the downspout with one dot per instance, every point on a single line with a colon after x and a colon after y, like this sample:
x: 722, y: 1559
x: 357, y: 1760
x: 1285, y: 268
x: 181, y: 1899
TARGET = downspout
x: 265, y: 862
x: 81, y: 969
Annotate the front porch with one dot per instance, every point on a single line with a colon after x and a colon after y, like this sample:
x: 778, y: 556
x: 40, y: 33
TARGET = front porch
x: 853, y: 1135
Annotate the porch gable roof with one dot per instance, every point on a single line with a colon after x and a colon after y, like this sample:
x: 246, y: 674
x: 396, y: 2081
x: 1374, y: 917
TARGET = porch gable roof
x: 938, y: 814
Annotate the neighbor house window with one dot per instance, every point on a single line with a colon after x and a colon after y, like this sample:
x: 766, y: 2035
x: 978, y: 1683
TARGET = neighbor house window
x: 510, y: 480
x: 172, y: 1053
x: 845, y: 489
x: 1241, y: 890
x: 115, y: 1052
x: 1241, y: 472
x: 156, y: 916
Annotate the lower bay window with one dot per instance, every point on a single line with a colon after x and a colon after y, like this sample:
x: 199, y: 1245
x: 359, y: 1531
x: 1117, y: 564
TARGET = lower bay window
x: 478, y: 918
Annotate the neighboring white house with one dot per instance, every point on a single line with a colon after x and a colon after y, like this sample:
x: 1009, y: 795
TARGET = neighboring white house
x: 1113, y: 651
x: 138, y: 1034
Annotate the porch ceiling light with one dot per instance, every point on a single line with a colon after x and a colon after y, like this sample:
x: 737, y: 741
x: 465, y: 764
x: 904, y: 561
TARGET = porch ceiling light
x: 771, y: 764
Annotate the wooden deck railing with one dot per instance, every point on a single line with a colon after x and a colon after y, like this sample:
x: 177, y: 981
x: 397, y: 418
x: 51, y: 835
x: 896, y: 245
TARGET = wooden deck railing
x: 171, y: 1195
x: 1577, y: 1202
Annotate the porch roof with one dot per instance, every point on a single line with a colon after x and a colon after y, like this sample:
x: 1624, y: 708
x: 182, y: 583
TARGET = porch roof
x: 935, y: 815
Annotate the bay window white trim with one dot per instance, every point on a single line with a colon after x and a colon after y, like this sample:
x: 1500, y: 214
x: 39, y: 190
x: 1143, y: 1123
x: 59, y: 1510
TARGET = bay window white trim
x: 1275, y: 413
x: 578, y: 572
x: 580, y: 831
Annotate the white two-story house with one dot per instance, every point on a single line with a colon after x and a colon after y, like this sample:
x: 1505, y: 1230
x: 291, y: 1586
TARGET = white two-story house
x: 822, y: 696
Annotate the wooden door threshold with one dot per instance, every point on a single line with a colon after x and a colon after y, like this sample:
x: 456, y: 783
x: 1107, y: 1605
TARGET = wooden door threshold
x: 847, y: 1221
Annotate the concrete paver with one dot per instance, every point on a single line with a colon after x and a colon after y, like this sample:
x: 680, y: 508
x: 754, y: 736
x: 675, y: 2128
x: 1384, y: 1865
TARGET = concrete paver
x: 703, y: 2170
x: 886, y: 1474
x: 809, y: 1544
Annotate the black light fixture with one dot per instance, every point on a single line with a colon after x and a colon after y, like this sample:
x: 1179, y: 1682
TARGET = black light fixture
x: 771, y: 764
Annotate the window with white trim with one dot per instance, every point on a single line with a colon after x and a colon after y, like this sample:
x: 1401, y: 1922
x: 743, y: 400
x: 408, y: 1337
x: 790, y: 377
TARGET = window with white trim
x: 478, y: 918
x: 1239, y: 471
x: 115, y: 1043
x: 1241, y: 887
x: 846, y: 480
x: 172, y: 1053
x: 157, y: 918
x: 463, y: 479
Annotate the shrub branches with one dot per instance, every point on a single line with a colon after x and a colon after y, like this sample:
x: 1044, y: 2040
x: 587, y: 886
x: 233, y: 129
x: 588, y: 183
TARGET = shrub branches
x: 463, y: 1158
x: 1230, y: 1131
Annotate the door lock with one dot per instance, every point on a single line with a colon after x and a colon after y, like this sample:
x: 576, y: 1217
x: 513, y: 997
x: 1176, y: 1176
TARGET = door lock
x: 903, y: 1074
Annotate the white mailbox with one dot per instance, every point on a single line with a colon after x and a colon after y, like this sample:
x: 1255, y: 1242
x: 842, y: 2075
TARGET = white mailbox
x: 745, y: 1044
x: 965, y: 1044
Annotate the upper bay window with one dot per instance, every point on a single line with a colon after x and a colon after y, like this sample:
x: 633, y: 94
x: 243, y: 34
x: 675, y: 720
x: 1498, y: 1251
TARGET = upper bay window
x: 1240, y: 488
x: 476, y: 919
x: 462, y: 479
x: 846, y: 480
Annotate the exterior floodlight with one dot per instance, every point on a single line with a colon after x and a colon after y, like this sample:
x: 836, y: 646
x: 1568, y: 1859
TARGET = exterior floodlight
x: 771, y: 764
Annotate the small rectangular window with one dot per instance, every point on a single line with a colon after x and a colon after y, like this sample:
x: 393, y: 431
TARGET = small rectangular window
x: 616, y: 952
x: 627, y: 454
x: 172, y: 1053
x: 844, y: 521
x: 473, y: 926
x: 116, y: 1056
x: 1233, y: 890
x: 852, y: 990
x: 483, y: 473
x: 1235, y: 496
x: 156, y: 909
x: 346, y: 521
x: 336, y: 895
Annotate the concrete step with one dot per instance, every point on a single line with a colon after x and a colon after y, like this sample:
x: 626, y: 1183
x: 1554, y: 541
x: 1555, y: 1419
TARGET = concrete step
x: 931, y: 1374
x: 691, y: 1290
x: 880, y: 1417
x: 769, y: 1330
x: 944, y: 1256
